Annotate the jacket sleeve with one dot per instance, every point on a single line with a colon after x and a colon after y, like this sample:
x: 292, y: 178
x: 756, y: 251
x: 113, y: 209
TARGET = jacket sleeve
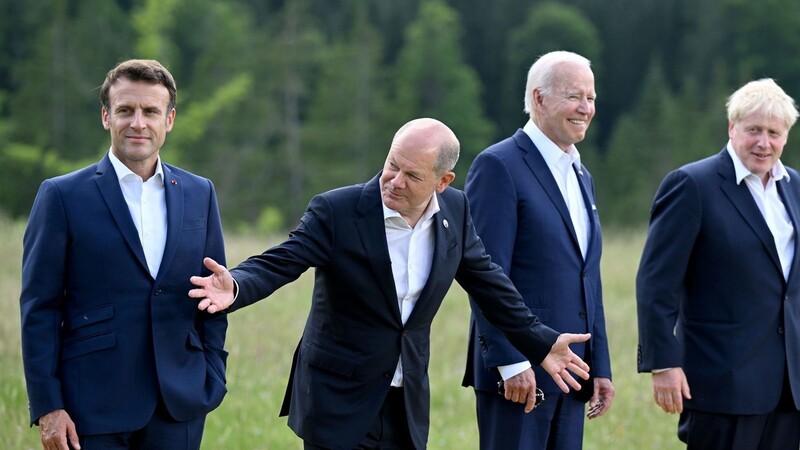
x: 214, y: 326
x: 493, y: 200
x: 309, y: 245
x: 497, y: 299
x: 41, y: 299
x: 674, y: 225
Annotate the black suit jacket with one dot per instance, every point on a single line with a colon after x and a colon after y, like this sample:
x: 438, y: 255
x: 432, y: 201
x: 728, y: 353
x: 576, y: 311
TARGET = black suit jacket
x: 354, y: 335
x: 711, y: 293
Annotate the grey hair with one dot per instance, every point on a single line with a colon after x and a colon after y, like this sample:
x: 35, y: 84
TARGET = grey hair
x: 542, y: 73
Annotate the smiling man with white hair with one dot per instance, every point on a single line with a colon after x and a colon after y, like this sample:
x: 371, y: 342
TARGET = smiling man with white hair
x: 533, y: 205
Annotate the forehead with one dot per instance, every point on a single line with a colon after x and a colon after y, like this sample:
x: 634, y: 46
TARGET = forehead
x: 412, y: 157
x: 762, y: 121
x: 573, y: 77
x: 125, y: 91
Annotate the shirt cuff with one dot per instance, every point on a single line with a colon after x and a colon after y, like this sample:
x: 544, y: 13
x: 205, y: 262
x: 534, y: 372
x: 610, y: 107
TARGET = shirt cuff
x: 513, y: 369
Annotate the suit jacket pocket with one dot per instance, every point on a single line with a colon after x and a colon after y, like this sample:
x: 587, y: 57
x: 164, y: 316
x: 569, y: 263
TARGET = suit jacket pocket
x: 85, y: 318
x: 90, y: 344
x: 327, y: 360
x: 193, y: 342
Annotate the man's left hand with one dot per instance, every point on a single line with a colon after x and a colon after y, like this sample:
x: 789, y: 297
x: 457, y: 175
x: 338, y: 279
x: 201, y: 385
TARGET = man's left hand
x: 600, y: 402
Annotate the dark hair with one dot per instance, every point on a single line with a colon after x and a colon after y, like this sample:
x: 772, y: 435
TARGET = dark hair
x: 147, y: 70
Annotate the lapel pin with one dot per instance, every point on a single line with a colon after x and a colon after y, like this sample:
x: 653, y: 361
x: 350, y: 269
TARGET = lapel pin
x: 174, y: 182
x: 444, y: 222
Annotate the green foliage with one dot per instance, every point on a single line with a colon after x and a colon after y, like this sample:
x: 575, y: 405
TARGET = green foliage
x: 432, y: 80
x: 664, y: 131
x: 280, y: 100
x: 549, y: 26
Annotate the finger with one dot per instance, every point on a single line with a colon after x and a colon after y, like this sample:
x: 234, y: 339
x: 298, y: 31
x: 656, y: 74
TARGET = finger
x: 566, y: 376
x: 72, y: 434
x: 200, y: 282
x: 530, y: 404
x: 560, y: 382
x: 197, y: 292
x: 212, y: 265
x: 573, y: 338
x: 212, y: 308
x: 579, y: 370
x: 678, y: 403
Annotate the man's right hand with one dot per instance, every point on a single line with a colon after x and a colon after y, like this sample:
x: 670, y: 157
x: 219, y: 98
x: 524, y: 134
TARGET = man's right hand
x: 561, y: 361
x: 56, y: 429
x: 214, y: 291
x: 669, y: 389
x: 521, y: 388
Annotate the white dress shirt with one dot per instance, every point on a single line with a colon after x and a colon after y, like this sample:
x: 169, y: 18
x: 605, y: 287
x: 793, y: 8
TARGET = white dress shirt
x: 772, y: 208
x: 411, y: 252
x: 147, y: 204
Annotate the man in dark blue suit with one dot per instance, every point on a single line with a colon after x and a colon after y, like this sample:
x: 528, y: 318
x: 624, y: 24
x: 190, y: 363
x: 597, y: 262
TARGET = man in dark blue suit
x: 116, y: 354
x: 718, y: 288
x: 386, y: 252
x: 534, y: 208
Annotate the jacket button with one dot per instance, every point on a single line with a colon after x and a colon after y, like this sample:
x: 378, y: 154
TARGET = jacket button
x: 780, y: 330
x: 582, y: 314
x: 158, y: 291
x: 387, y: 374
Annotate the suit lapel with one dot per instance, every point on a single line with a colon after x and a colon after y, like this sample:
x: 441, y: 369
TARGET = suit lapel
x: 173, y: 190
x: 790, y: 202
x: 591, y: 207
x: 742, y: 200
x: 536, y: 163
x: 371, y: 230
x: 444, y: 241
x: 108, y: 184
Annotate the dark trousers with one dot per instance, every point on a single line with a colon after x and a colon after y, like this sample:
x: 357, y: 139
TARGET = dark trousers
x: 778, y: 430
x: 556, y: 424
x: 390, y: 429
x: 161, y: 432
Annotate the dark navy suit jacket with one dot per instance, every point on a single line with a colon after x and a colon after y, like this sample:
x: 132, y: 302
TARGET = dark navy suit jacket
x: 711, y: 294
x: 100, y: 337
x: 525, y: 226
x: 354, y: 335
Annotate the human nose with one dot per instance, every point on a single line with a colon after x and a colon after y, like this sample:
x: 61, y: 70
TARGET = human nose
x: 138, y: 121
x: 398, y: 180
x: 763, y: 140
x: 585, y: 106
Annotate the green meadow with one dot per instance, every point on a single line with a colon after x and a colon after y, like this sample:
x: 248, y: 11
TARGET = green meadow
x: 262, y: 338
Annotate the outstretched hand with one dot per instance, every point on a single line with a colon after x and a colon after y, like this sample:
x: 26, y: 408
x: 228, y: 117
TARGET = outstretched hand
x: 214, y: 291
x: 561, y: 361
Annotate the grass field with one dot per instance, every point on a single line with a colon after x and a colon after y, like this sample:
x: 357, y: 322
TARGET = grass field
x: 262, y: 338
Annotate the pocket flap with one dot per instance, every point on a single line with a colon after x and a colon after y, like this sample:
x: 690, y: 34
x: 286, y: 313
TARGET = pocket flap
x: 324, y: 359
x: 89, y: 317
x: 193, y: 341
x: 89, y: 345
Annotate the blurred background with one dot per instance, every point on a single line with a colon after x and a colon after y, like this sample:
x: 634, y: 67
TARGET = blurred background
x: 279, y: 100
